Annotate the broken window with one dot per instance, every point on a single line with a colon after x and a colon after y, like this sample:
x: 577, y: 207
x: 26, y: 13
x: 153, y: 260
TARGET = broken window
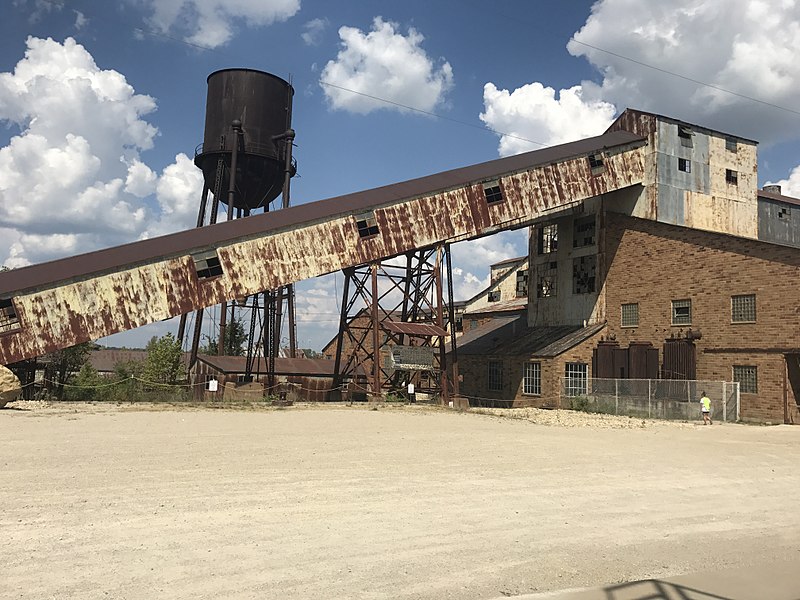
x: 681, y: 312
x: 685, y: 135
x: 731, y: 144
x: 685, y: 165
x: 784, y: 213
x: 547, y: 239
x: 207, y: 264
x: 583, y: 233
x: 743, y: 308
x: 596, y: 163
x: 731, y: 177
x: 494, y: 296
x: 546, y: 277
x: 522, y: 283
x: 8, y: 316
x: 367, y: 225
x: 583, y: 274
x: 492, y: 192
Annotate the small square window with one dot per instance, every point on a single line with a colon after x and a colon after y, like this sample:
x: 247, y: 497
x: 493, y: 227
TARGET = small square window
x: 522, y: 283
x: 8, y: 316
x: 207, y: 264
x: 492, y: 192
x: 747, y: 376
x: 547, y: 239
x: 630, y: 315
x: 681, y: 312
x: 743, y: 308
x: 731, y: 177
x: 685, y: 165
x: 731, y: 145
x: 596, y: 163
x: 495, y: 376
x: 367, y: 224
x: 785, y: 213
x: 685, y: 135
x: 494, y: 296
x: 532, y: 379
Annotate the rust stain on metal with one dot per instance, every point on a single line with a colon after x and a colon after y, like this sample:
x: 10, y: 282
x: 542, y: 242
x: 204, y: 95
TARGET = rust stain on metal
x: 69, y: 312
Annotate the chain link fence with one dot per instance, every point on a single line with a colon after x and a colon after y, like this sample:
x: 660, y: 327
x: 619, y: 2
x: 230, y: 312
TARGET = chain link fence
x: 671, y: 399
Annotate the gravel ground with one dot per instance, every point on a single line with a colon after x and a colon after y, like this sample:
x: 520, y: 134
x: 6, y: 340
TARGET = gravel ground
x: 158, y: 501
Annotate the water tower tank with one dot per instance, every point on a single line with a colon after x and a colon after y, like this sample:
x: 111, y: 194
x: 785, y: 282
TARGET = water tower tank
x: 263, y: 104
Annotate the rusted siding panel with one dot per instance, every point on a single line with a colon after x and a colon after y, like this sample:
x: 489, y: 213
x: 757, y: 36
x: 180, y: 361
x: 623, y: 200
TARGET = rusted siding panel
x: 96, y: 306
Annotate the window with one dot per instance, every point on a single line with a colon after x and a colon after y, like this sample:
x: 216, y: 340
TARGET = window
x: 575, y: 379
x: 8, y: 316
x: 596, y: 163
x: 583, y: 274
x: 685, y: 135
x: 473, y: 323
x: 747, y: 378
x: 492, y: 192
x: 630, y: 315
x: 731, y: 145
x: 785, y: 213
x: 522, y: 283
x: 207, y: 264
x: 583, y: 234
x: 731, y: 177
x: 495, y: 379
x: 681, y: 312
x: 548, y: 239
x: 546, y: 276
x: 494, y: 296
x: 685, y: 165
x: 367, y: 225
x: 743, y: 308
x: 532, y: 379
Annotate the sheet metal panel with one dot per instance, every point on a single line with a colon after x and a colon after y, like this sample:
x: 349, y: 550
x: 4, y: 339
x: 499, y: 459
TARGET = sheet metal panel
x: 68, y: 302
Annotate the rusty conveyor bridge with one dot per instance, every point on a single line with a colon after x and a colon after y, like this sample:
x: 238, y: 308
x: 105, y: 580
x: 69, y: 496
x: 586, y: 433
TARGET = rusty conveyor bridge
x: 61, y: 303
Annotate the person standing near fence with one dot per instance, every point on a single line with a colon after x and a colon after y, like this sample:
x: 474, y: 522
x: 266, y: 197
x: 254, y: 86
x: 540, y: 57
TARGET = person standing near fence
x: 705, y: 408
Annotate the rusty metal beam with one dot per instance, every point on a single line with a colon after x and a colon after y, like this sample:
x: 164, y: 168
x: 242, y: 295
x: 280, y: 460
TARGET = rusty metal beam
x: 87, y: 297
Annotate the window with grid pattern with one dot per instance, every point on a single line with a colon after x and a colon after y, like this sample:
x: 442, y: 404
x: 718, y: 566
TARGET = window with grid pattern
x: 630, y: 315
x: 548, y: 239
x: 583, y: 234
x: 681, y: 312
x: 546, y: 277
x: 743, y: 308
x: 747, y: 376
x: 583, y: 274
x: 492, y: 192
x: 495, y: 376
x: 8, y: 316
x: 685, y: 165
x: 731, y: 177
x: 522, y: 283
x: 532, y: 379
x: 731, y: 144
x: 575, y: 379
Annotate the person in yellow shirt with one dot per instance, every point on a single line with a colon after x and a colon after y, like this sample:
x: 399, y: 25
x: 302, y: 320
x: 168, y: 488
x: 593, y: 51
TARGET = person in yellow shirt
x: 705, y: 408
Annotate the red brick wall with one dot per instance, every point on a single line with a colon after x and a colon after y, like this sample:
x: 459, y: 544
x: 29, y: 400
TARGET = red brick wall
x: 653, y: 263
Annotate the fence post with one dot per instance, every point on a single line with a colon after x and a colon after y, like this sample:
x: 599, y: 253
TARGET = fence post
x: 649, y: 403
x: 724, y: 401
x: 738, y: 399
x: 616, y: 396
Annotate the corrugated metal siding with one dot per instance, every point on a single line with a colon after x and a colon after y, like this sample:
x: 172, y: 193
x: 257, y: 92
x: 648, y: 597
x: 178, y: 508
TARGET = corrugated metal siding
x: 778, y: 222
x: 70, y: 312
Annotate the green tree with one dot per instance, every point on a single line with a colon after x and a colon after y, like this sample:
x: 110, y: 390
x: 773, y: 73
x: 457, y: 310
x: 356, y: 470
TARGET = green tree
x: 66, y: 362
x: 235, y: 340
x: 87, y: 384
x: 164, y: 362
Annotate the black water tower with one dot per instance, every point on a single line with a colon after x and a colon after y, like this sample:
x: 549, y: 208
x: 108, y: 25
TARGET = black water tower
x: 248, y: 115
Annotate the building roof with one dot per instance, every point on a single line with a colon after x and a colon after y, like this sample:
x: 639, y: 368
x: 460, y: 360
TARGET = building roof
x: 105, y: 360
x: 509, y: 261
x: 283, y: 366
x: 514, y: 304
x: 512, y: 337
x: 778, y: 197
x: 629, y: 111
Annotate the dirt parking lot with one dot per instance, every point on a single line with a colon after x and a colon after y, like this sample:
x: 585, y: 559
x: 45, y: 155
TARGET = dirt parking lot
x: 400, y: 502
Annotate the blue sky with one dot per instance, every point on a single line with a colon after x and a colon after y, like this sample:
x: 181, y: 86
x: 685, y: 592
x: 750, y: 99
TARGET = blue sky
x: 102, y: 103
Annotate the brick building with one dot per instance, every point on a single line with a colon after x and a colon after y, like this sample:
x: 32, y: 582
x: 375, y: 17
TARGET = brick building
x: 697, y: 257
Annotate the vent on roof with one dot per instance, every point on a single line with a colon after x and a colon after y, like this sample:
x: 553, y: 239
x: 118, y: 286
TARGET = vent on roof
x: 492, y: 192
x: 596, y: 163
x: 773, y: 189
x: 207, y: 264
x: 367, y: 225
x: 8, y: 316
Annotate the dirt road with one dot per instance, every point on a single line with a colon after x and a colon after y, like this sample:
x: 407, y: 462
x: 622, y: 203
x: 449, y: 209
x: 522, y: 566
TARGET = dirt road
x: 335, y: 502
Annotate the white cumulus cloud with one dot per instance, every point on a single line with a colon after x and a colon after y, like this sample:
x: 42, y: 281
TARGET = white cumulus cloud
x: 384, y: 63
x: 313, y: 31
x: 211, y: 23
x: 72, y: 179
x: 533, y: 112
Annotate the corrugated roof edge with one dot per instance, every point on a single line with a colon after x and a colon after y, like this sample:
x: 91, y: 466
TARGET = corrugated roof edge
x: 184, y: 242
x: 684, y: 123
x: 778, y: 197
